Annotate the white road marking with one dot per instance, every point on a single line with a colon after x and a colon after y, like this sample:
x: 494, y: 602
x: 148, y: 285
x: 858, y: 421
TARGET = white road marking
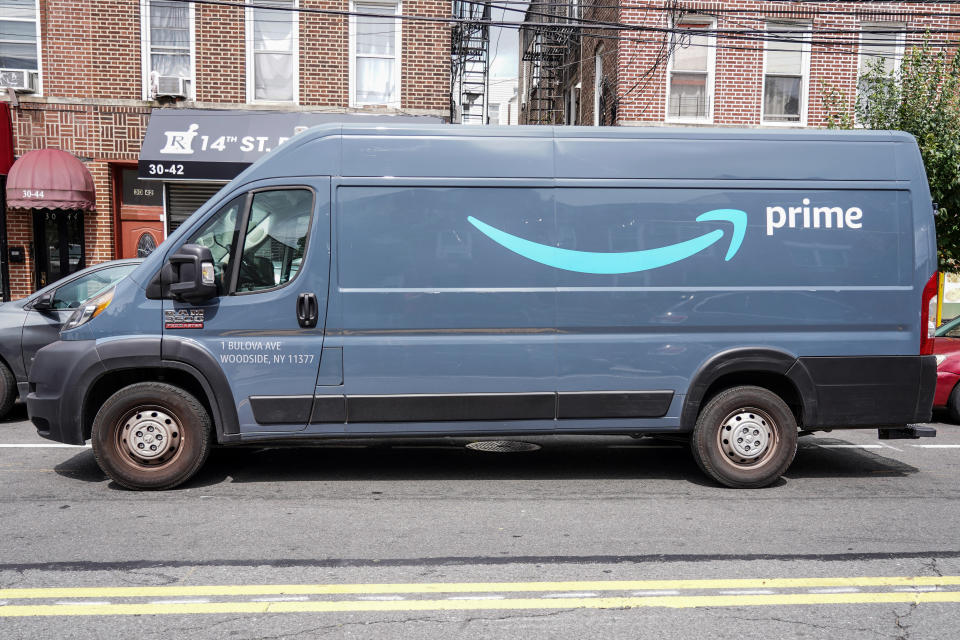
x: 282, y: 599
x: 70, y: 603
x: 571, y: 594
x: 183, y: 601
x: 476, y: 598
x: 661, y: 592
x: 3, y: 602
x: 917, y: 588
x: 747, y: 592
x: 52, y: 445
x: 835, y: 590
x: 379, y: 598
x: 936, y: 446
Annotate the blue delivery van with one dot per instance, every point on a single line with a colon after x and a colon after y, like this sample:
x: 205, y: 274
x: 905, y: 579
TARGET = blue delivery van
x: 739, y: 287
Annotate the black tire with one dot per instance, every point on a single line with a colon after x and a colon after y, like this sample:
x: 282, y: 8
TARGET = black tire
x: 953, y: 404
x: 739, y: 413
x: 151, y: 435
x: 8, y: 390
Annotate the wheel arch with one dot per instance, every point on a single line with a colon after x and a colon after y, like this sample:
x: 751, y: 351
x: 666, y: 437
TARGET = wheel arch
x: 187, y: 365
x: 772, y: 369
x: 174, y: 373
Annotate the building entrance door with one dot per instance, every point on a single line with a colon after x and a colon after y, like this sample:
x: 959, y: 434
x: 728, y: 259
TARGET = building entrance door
x: 59, y: 245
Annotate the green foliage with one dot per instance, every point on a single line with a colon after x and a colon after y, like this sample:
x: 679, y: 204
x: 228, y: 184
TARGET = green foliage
x: 922, y: 98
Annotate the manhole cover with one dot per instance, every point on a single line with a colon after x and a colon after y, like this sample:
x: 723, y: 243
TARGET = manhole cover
x: 503, y: 446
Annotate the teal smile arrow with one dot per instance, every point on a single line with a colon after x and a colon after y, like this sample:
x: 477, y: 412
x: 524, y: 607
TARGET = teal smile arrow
x: 626, y: 262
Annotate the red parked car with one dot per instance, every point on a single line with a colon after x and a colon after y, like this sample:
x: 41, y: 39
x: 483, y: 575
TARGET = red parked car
x: 946, y: 346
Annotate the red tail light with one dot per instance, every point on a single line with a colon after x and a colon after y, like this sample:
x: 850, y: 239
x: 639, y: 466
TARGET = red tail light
x: 928, y: 314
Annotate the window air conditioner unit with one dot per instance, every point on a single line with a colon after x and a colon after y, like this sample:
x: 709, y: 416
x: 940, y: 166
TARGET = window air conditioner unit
x: 174, y: 86
x: 20, y: 80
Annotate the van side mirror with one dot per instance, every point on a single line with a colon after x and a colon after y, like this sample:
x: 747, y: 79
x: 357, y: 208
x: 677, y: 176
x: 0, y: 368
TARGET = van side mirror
x: 193, y: 276
x: 44, y: 302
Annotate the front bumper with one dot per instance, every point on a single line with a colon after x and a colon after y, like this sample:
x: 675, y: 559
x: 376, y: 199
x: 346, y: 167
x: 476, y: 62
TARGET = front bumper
x: 59, y: 378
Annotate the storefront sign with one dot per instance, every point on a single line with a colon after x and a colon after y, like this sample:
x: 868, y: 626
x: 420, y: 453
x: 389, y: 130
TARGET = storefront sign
x: 201, y: 144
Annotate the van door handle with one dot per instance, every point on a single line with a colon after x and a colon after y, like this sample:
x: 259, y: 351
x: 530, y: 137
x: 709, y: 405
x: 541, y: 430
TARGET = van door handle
x: 308, y: 311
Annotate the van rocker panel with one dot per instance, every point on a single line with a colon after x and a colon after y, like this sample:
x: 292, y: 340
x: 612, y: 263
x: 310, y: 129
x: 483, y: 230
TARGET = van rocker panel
x: 467, y: 407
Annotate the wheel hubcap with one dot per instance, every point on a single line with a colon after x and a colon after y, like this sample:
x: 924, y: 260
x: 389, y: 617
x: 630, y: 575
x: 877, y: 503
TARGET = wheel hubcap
x: 747, y: 436
x: 150, y: 435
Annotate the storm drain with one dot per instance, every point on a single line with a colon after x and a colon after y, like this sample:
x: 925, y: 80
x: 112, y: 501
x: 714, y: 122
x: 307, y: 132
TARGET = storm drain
x: 503, y: 446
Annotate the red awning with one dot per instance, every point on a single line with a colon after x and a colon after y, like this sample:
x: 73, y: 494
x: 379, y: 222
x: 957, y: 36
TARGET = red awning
x: 50, y: 179
x: 6, y: 138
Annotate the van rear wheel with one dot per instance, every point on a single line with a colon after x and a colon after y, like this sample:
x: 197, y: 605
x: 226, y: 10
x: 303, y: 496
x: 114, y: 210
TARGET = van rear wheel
x: 151, y: 435
x: 745, y: 437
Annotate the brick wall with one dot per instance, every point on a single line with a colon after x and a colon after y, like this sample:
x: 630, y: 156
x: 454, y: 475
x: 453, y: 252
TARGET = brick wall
x: 93, y: 87
x: 98, y: 135
x: 425, y: 66
x: 642, y: 80
x: 610, y: 51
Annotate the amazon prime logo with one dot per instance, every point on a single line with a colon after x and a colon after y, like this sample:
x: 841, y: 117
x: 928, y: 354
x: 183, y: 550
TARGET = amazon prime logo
x: 813, y: 217
x: 623, y: 262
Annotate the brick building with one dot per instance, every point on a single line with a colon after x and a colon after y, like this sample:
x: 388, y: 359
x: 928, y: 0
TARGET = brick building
x: 85, y: 77
x: 740, y: 63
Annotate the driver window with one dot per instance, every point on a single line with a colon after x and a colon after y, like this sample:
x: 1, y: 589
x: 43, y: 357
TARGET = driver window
x: 219, y: 234
x: 276, y: 238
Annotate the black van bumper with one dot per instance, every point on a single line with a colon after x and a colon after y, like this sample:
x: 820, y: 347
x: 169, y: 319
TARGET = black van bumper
x: 59, y: 378
x: 867, y: 391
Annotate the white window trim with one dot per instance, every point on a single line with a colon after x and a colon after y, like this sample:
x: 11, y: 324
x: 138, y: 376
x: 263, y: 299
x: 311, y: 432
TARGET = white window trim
x: 711, y: 77
x: 900, y: 29
x: 145, y: 51
x: 804, y: 81
x: 597, y: 83
x: 36, y: 21
x: 398, y: 55
x: 250, y: 67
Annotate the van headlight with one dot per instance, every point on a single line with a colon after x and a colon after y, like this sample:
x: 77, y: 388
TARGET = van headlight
x: 940, y: 359
x: 89, y: 310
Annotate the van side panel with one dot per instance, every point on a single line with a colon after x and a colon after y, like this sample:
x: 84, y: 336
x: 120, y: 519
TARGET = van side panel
x: 424, y: 304
x: 842, y: 289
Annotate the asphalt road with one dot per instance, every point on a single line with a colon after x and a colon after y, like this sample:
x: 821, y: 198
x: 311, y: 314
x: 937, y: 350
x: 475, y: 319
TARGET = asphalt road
x: 585, y: 537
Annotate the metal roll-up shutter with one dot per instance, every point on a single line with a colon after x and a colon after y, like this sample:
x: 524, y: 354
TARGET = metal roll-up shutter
x: 183, y: 198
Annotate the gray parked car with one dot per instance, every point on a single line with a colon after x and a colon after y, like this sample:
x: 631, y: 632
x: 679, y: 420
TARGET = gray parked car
x: 34, y: 322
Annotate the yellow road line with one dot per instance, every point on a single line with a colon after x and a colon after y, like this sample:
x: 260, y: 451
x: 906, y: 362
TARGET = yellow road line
x: 473, y: 587
x: 675, y: 602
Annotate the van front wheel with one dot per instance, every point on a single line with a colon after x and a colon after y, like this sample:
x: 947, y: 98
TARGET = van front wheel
x: 151, y: 435
x: 745, y: 437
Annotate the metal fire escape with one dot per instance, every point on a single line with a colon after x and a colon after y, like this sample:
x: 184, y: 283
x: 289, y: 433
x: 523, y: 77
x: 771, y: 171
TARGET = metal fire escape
x: 470, y: 62
x: 548, y: 48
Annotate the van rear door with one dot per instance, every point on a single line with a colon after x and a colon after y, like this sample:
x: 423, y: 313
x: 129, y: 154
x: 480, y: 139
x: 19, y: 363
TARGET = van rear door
x: 265, y: 328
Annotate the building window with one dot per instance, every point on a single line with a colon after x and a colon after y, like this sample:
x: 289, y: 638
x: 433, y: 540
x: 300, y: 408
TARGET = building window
x: 272, y: 43
x: 691, y: 73
x: 881, y: 49
x: 375, y: 54
x: 19, y: 45
x: 167, y: 48
x: 786, y: 69
x: 597, y: 86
